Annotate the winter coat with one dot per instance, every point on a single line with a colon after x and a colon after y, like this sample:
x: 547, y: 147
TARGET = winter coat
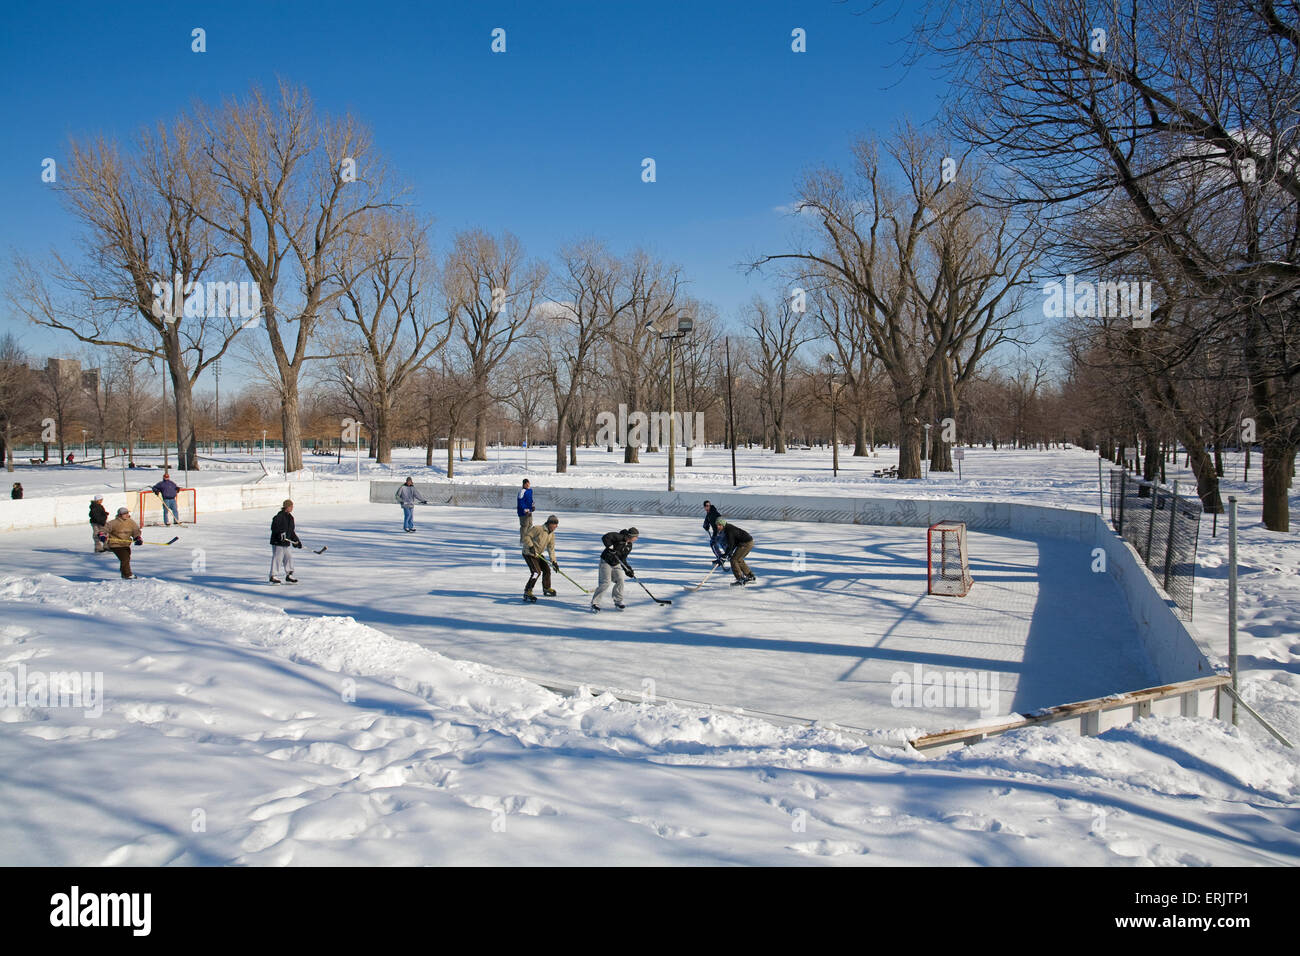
x: 17, y: 492
x: 122, y: 532
x: 282, y: 532
x: 711, y: 520
x: 525, y: 504
x: 167, y: 488
x: 617, y: 548
x: 408, y: 496
x: 98, y: 516
x: 735, y: 536
x: 538, y: 541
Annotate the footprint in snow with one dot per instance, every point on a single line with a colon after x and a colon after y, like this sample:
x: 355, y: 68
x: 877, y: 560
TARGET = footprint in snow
x: 830, y: 848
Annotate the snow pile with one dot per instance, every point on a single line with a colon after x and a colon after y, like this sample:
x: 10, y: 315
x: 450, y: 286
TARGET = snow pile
x: 232, y: 732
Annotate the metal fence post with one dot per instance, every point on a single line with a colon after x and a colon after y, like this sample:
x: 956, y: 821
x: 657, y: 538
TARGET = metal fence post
x: 1169, y: 542
x: 1232, y: 600
x: 1123, y: 493
x: 1151, y: 524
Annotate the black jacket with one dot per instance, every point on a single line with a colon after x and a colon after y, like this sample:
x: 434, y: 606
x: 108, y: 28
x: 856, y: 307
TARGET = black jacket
x: 711, y: 520
x: 735, y: 536
x: 97, y: 513
x: 617, y: 548
x: 282, y: 529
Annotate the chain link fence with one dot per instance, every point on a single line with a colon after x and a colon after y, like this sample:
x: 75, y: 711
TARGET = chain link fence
x: 1164, y: 528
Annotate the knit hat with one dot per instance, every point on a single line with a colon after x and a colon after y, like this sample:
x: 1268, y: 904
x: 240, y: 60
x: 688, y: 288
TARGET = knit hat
x: 632, y: 533
x: 123, y: 511
x: 552, y: 520
x: 98, y: 498
x: 722, y: 522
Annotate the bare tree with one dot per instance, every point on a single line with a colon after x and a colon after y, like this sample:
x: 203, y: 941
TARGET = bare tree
x: 144, y: 249
x: 17, y: 395
x: 777, y: 337
x: 492, y: 290
x: 588, y: 300
x: 394, y: 323
x: 291, y: 193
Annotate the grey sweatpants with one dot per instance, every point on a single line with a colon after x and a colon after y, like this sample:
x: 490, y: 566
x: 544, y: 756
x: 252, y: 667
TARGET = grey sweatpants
x: 281, y: 556
x: 610, y: 576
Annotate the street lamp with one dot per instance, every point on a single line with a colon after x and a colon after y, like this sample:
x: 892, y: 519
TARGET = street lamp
x: 83, y: 444
x: 926, y: 426
x: 684, y: 326
x: 834, y: 388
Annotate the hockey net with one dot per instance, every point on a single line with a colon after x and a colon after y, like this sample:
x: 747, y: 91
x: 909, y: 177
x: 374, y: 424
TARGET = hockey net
x: 948, y: 564
x: 150, y: 510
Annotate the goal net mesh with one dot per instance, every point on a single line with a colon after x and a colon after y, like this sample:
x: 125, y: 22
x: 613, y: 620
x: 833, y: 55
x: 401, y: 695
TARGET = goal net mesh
x: 150, y: 511
x: 949, y: 563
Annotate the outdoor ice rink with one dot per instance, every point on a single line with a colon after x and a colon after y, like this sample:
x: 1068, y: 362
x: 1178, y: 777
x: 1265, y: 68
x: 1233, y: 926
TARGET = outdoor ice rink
x: 838, y: 618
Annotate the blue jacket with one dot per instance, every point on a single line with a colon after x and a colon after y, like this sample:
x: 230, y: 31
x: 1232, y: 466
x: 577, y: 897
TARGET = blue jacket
x: 167, y: 488
x: 525, y: 501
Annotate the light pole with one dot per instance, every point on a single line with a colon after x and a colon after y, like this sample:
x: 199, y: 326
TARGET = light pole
x: 263, y: 448
x: 83, y: 444
x: 684, y: 326
x: 926, y: 426
x: 833, y: 387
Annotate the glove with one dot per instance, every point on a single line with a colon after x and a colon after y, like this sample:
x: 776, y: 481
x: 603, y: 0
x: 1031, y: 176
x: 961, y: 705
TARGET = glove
x: 630, y: 573
x: 297, y: 544
x: 719, y: 562
x: 139, y: 541
x: 102, y: 537
x: 555, y: 565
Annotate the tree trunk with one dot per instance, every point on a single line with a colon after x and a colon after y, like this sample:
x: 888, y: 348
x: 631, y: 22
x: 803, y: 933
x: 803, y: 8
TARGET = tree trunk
x: 778, y: 438
x: 909, y: 442
x: 561, y: 462
x: 187, y: 444
x: 860, y: 437
x: 290, y: 428
x: 480, y: 435
x: 1278, y: 459
x: 573, y: 445
x: 383, y: 437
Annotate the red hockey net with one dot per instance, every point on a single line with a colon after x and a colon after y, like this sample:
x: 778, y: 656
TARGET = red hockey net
x: 948, y: 564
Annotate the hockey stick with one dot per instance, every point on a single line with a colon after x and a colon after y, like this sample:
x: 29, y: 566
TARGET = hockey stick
x: 652, y: 597
x: 323, y: 549
x: 716, y: 565
x: 571, y: 581
x: 163, y: 544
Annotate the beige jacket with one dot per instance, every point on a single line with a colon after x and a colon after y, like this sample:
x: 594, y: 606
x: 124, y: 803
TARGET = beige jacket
x: 122, y: 532
x: 537, y: 540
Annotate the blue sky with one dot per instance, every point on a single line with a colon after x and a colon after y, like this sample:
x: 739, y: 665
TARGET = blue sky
x: 545, y: 140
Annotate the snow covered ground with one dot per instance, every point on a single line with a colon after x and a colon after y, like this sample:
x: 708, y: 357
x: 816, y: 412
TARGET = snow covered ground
x: 323, y: 725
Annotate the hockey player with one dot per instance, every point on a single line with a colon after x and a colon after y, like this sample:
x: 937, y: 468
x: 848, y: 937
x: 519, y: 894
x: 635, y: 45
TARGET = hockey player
x: 121, y: 533
x: 283, y: 536
x: 525, y: 509
x: 613, y: 565
x: 168, y: 490
x: 539, y: 541
x: 711, y: 517
x: 736, y: 543
x: 407, y: 496
x: 98, y: 524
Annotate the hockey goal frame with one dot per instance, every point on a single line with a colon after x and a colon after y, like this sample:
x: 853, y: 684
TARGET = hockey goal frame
x: 954, y: 587
x: 149, y: 508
